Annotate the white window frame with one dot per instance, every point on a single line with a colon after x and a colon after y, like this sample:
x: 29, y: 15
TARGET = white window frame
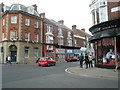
x: 36, y: 24
x: 13, y: 19
x: 49, y: 29
x: 36, y: 37
x: 59, y: 31
x: 27, y: 22
x: 13, y: 35
x: 3, y: 22
x: 69, y: 42
x: 61, y: 40
x: 48, y: 40
x: 27, y: 36
x: 2, y: 36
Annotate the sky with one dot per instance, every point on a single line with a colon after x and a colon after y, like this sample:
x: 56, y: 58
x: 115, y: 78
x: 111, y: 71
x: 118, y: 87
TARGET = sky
x: 73, y: 12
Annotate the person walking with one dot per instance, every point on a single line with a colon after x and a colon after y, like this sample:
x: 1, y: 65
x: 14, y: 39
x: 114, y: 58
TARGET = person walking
x: 86, y: 60
x: 81, y: 58
x: 117, y: 62
x: 9, y: 59
x: 90, y: 61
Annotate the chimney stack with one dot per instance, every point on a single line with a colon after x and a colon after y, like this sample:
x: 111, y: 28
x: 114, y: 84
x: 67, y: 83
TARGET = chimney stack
x: 42, y: 15
x: 61, y: 22
x: 74, y: 27
x: 35, y: 6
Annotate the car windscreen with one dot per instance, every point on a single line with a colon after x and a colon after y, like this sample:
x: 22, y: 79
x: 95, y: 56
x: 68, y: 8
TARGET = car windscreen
x: 42, y: 59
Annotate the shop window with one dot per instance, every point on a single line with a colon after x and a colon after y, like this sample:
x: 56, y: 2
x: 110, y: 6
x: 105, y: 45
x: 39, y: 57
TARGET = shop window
x: 105, y: 51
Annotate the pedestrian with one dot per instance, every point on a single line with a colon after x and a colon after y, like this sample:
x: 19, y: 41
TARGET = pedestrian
x: 90, y: 61
x: 81, y: 58
x: 9, y: 59
x: 86, y: 60
x: 117, y: 62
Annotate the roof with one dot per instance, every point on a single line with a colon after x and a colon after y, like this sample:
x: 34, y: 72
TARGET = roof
x: 53, y: 22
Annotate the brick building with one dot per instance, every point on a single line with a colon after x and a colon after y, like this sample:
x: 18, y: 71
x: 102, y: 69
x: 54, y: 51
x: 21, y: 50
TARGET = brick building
x: 106, y: 31
x: 20, y: 32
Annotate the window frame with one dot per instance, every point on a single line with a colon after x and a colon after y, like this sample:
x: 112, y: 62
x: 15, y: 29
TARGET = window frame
x: 13, y: 19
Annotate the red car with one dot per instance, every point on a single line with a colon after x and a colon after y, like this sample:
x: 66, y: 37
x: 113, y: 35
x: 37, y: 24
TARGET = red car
x: 46, y: 61
x: 70, y: 59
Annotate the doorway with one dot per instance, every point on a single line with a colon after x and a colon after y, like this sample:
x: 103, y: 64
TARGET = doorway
x: 13, y: 53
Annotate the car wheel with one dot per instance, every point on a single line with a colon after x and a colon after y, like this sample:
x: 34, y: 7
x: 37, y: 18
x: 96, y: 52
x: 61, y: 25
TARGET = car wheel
x: 54, y: 64
x: 39, y: 65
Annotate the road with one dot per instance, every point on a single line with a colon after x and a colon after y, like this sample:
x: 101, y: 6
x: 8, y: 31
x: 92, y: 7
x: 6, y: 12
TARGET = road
x: 32, y: 76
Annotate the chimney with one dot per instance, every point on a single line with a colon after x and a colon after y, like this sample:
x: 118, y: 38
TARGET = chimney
x: 61, y: 22
x: 42, y: 15
x: 1, y: 7
x: 83, y: 29
x: 74, y: 26
x: 35, y: 6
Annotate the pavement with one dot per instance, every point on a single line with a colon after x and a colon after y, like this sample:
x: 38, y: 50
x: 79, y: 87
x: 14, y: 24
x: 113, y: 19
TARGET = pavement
x: 94, y: 72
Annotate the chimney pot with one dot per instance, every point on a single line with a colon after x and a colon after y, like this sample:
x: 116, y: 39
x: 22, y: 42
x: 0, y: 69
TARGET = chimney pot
x: 35, y: 6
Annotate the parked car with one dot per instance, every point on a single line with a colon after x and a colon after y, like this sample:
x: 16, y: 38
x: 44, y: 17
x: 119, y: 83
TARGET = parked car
x: 71, y: 59
x: 46, y: 61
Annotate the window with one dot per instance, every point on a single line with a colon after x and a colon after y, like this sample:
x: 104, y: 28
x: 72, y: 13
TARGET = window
x: 36, y: 52
x: 2, y: 36
x: 36, y: 24
x: 49, y: 29
x: 26, y: 53
x: 69, y: 42
x: 12, y: 35
x: 69, y: 34
x: 30, y: 10
x: 27, y: 36
x: 60, y: 42
x: 75, y: 41
x: 103, y: 14
x: 59, y: 31
x: 3, y: 22
x: 49, y: 39
x: 36, y: 37
x: 27, y: 21
x: 13, y: 19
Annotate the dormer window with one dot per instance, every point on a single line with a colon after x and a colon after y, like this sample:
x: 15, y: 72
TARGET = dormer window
x: 49, y: 29
x: 31, y: 10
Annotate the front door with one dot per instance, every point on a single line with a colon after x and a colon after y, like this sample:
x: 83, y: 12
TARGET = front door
x: 13, y: 56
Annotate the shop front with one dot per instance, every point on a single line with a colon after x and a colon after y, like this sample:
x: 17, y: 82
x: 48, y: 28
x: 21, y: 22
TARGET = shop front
x: 106, y: 38
x: 60, y: 55
x: 50, y: 50
x: 69, y: 53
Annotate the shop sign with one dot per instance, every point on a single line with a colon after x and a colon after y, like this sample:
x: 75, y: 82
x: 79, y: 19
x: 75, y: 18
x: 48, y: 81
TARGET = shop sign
x: 69, y: 51
x: 79, y: 51
x: 49, y: 47
x: 60, y: 51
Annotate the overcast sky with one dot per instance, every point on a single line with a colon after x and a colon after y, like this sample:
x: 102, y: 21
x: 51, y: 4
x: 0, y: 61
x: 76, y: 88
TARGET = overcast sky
x: 73, y: 12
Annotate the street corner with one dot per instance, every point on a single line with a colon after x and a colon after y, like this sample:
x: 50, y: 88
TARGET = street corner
x: 93, y: 72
